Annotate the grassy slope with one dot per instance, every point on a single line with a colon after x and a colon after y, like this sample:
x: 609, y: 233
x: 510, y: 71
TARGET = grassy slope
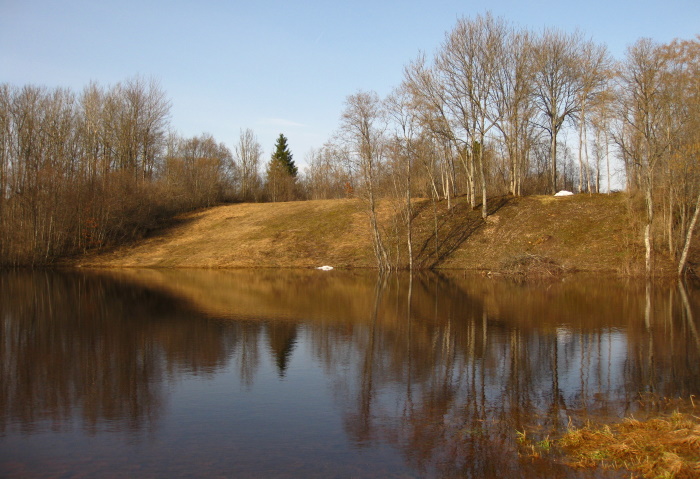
x: 583, y: 232
x: 295, y: 234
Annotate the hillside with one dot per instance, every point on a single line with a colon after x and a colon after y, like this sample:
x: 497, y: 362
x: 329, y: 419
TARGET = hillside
x: 581, y: 232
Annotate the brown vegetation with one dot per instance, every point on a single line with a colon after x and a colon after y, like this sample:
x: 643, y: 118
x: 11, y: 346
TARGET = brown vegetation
x: 80, y: 172
x: 288, y: 234
x: 665, y: 444
x: 658, y: 447
x: 579, y: 233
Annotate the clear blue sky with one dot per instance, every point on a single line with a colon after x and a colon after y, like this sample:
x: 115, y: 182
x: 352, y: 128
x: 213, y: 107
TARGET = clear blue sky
x: 279, y: 66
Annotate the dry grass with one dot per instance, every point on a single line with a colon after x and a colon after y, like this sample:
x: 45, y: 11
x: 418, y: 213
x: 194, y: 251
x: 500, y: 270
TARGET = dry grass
x: 524, y: 236
x: 293, y: 234
x: 532, y: 266
x: 657, y: 448
x: 580, y: 232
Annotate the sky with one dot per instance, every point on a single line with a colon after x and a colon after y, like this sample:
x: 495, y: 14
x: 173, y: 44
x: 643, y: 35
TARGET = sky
x: 280, y: 66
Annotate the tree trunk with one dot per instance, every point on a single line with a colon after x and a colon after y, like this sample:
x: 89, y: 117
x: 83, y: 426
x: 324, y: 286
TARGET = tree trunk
x: 647, y: 229
x: 688, y: 238
x: 484, y: 207
x: 409, y: 215
x: 607, y: 158
x: 580, y: 155
x: 553, y: 161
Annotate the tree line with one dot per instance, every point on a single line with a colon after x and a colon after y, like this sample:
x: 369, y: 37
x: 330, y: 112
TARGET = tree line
x: 501, y: 110
x: 101, y: 167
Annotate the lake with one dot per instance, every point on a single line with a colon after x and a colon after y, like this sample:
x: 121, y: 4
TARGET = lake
x: 304, y: 373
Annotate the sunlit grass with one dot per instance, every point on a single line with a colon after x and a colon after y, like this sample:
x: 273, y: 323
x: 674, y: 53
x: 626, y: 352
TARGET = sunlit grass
x: 661, y: 447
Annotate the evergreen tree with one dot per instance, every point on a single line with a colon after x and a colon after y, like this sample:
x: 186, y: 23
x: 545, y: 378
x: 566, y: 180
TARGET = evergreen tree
x: 284, y: 156
x: 281, y: 173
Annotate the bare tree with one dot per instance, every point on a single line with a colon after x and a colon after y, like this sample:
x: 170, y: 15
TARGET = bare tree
x: 405, y: 126
x: 471, y: 62
x: 601, y: 118
x: 429, y: 103
x: 328, y: 175
x: 247, y: 154
x: 363, y: 126
x: 595, y: 67
x: 196, y: 168
x: 642, y: 134
x: 514, y: 101
x: 683, y: 178
x: 558, y: 86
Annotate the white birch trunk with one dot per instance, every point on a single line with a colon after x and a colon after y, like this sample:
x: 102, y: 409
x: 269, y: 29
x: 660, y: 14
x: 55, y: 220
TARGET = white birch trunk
x: 688, y: 238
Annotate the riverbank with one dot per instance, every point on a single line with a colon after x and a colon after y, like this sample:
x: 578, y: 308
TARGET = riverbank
x: 592, y: 233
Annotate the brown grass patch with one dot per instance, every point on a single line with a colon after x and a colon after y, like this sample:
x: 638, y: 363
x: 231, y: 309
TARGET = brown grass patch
x: 532, y: 266
x: 581, y: 232
x: 531, y: 237
x: 666, y: 447
x: 292, y: 234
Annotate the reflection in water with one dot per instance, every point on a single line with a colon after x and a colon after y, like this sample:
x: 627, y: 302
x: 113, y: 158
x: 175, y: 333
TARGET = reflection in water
x: 282, y: 338
x: 428, y: 375
x: 75, y: 344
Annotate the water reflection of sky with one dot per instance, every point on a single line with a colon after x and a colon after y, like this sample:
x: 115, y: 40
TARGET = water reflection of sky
x: 592, y: 363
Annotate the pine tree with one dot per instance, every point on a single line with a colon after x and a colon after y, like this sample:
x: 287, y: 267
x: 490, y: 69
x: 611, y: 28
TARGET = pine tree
x: 281, y: 173
x: 284, y: 156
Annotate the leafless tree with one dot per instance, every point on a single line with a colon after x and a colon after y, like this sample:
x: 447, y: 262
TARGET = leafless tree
x: 595, y: 73
x: 197, y: 167
x: 683, y: 169
x: 328, y: 174
x: 558, y: 85
x: 514, y: 102
x: 429, y: 104
x: 363, y: 125
x: 642, y: 134
x: 405, y: 126
x: 247, y: 154
x: 471, y: 62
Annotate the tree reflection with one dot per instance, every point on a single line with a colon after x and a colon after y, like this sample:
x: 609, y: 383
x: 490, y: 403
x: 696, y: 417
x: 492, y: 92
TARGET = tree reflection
x: 282, y: 337
x: 80, y: 343
x: 444, y: 369
x: 449, y: 375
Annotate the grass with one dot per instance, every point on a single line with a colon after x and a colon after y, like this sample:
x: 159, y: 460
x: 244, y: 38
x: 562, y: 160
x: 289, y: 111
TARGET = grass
x: 664, y: 447
x: 521, y: 236
x: 660, y: 447
x: 294, y: 234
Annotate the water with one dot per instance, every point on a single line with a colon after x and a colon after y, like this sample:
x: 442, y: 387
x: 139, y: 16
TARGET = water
x: 285, y: 373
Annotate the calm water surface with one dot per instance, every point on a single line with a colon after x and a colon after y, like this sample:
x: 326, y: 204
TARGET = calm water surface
x: 147, y: 373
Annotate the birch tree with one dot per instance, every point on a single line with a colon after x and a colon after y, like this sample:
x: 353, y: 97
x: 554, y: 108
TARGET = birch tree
x: 363, y: 124
x: 643, y: 112
x: 430, y: 106
x: 405, y: 126
x: 595, y: 67
x: 515, y: 106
